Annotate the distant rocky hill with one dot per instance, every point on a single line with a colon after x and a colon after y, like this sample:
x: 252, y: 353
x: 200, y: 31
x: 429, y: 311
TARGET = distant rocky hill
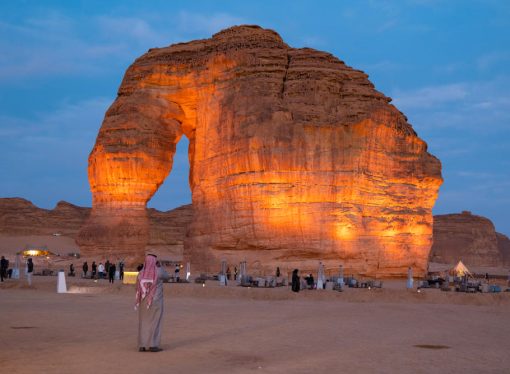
x: 463, y: 236
x: 470, y: 238
x: 21, y: 218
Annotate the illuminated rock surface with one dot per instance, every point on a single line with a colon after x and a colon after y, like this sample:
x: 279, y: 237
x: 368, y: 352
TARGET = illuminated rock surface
x: 294, y: 158
x: 468, y: 238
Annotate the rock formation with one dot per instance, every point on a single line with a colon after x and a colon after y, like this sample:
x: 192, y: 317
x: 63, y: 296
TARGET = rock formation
x: 294, y: 158
x: 467, y: 237
x: 504, y: 248
x: 21, y: 217
x: 464, y: 236
x: 22, y: 223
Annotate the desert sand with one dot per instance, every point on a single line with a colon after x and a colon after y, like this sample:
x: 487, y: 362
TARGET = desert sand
x: 214, y: 329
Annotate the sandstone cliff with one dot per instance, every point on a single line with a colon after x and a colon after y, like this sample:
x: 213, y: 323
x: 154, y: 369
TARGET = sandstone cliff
x: 22, y: 223
x: 504, y: 248
x: 21, y: 217
x: 294, y: 158
x: 466, y: 237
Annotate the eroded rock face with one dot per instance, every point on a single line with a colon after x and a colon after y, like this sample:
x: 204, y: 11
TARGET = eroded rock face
x: 468, y: 238
x: 20, y: 217
x: 504, y: 248
x: 22, y: 223
x: 294, y: 158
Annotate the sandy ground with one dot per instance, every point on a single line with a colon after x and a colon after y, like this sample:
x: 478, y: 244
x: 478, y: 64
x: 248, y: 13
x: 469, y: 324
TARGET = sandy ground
x: 215, y: 329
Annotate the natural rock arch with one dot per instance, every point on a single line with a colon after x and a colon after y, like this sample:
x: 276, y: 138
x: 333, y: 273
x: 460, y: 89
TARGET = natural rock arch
x: 294, y: 157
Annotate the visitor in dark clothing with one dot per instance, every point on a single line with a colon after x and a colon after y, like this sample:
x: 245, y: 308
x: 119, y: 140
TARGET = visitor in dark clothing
x: 295, y: 280
x: 111, y: 273
x: 4, y: 264
x: 94, y: 269
x: 85, y: 269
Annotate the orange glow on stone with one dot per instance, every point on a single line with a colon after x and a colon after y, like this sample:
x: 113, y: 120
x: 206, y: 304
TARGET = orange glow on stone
x: 294, y: 158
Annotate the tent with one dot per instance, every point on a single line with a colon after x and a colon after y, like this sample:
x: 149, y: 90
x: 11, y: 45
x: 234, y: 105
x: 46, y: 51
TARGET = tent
x: 460, y: 270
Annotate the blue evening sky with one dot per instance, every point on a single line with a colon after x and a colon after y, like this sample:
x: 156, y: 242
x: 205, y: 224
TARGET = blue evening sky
x: 444, y: 62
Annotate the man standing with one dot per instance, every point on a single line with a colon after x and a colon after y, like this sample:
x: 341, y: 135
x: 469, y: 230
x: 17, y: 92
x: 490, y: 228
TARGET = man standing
x: 296, y: 284
x: 121, y: 270
x: 149, y: 302
x: 94, y: 269
x: 30, y: 271
x: 111, y: 272
x: 85, y: 269
x: 100, y: 270
x: 3, y: 268
x: 177, y: 270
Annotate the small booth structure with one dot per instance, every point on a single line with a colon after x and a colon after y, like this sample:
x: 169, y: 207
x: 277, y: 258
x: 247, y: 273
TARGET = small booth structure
x: 130, y: 277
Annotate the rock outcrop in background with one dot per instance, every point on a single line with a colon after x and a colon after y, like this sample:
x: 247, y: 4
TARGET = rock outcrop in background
x: 463, y: 236
x: 20, y: 217
x: 469, y: 238
x: 504, y: 248
x: 294, y: 158
x: 24, y: 224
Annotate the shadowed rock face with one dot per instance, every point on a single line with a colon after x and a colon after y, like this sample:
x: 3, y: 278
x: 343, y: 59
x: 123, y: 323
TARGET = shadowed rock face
x: 21, y: 218
x: 504, y: 248
x: 466, y: 237
x: 294, y: 158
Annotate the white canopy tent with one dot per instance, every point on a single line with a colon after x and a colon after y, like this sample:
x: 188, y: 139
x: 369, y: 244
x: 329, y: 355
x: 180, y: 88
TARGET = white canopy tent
x: 460, y: 270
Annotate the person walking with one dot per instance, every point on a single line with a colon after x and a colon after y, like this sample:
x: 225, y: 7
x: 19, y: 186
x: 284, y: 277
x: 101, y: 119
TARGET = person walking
x: 121, y: 270
x: 149, y: 302
x: 111, y: 273
x: 30, y: 271
x: 3, y: 268
x: 85, y: 269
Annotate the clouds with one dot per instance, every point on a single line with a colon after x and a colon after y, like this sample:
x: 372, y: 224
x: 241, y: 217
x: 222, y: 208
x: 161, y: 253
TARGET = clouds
x: 50, y: 151
x: 467, y: 125
x: 206, y: 23
x: 470, y: 106
x: 55, y: 44
x: 427, y: 97
x: 50, y: 46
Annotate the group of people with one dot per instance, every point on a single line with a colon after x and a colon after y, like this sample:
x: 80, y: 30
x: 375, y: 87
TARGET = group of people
x: 229, y: 273
x: 101, y: 271
x: 296, y: 281
x: 5, y: 272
